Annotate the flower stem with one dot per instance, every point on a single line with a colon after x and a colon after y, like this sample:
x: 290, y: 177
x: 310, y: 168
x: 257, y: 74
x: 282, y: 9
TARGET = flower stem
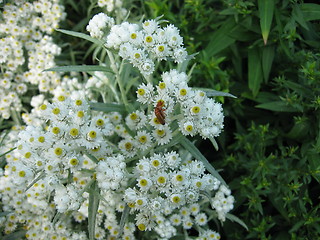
x: 118, y: 79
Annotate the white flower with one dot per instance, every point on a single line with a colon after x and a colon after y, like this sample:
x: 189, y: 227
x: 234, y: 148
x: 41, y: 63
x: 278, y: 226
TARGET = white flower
x: 98, y: 23
x: 150, y: 26
x: 144, y: 140
x: 201, y: 219
x: 144, y: 93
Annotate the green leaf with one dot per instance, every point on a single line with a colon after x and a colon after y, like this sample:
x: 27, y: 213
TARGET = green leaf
x: 107, y: 107
x: 299, y: 17
x: 81, y: 35
x: 299, y: 130
x: 92, y: 158
x: 266, y: 8
x: 214, y: 143
x: 234, y: 218
x: 255, y: 71
x: 198, y: 155
x: 79, y: 68
x: 124, y: 217
x: 267, y: 60
x: 214, y: 93
x: 220, y: 39
x: 56, y: 218
x: 5, y: 135
x: 39, y: 177
x: 277, y: 106
x: 92, y: 209
x: 310, y: 11
x: 1, y: 155
x: 15, y: 235
x: 3, y: 214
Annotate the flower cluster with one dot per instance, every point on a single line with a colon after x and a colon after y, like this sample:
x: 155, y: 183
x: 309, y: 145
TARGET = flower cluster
x: 167, y: 193
x: 194, y: 111
x: 25, y: 31
x: 142, y: 44
x: 111, y: 5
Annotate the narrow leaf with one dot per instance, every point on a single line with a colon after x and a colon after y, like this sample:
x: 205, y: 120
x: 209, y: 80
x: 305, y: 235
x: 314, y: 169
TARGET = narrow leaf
x: 107, y: 107
x: 39, y: 177
x: 220, y: 39
x: 124, y: 217
x: 234, y: 218
x: 5, y: 135
x: 92, y: 158
x: 1, y: 155
x: 310, y: 11
x: 198, y: 155
x: 267, y: 60
x: 3, y: 214
x: 255, y: 71
x: 56, y: 218
x: 215, y: 93
x: 266, y: 8
x: 15, y: 235
x: 79, y: 68
x: 214, y: 143
x: 277, y: 106
x: 92, y: 210
x: 299, y: 17
x: 81, y: 35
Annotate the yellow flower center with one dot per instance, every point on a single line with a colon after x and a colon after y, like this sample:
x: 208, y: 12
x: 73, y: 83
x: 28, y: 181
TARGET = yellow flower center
x: 80, y: 114
x: 137, y: 55
x: 74, y: 161
x: 176, y: 199
x: 61, y: 98
x: 141, y: 91
x: 143, y: 139
x: 92, y: 134
x: 142, y: 227
x: 99, y: 122
x: 133, y: 116
x: 149, y: 39
x: 161, y: 180
x: 143, y: 182
x: 56, y: 130
x: 161, y: 48
x: 162, y: 85
x: 22, y: 174
x: 155, y: 163
x: 189, y: 128
x: 183, y: 92
x: 58, y: 151
x: 78, y: 102
x: 195, y: 109
x: 56, y: 111
x: 128, y: 146
x: 179, y: 178
x: 43, y: 107
x: 74, y: 132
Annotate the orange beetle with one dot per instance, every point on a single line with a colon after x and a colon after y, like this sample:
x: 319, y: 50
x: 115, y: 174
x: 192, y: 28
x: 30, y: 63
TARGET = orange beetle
x: 159, y: 112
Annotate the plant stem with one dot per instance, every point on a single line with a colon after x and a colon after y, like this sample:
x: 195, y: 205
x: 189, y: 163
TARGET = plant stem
x: 118, y: 79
